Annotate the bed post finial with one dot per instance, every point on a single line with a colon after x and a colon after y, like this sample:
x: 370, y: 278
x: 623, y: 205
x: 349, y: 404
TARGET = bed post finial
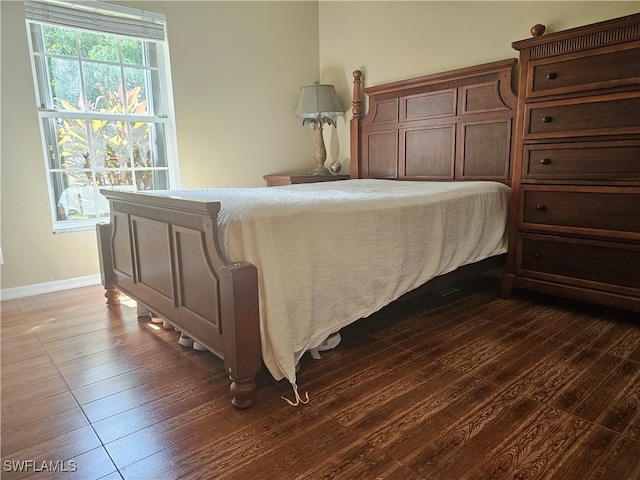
x: 356, y: 103
x: 356, y: 110
x: 537, y: 30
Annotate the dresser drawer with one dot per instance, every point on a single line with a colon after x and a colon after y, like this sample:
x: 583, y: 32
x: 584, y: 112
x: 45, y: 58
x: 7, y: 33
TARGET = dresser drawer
x: 587, y: 72
x: 617, y: 115
x: 603, y: 161
x: 610, y: 211
x: 588, y: 261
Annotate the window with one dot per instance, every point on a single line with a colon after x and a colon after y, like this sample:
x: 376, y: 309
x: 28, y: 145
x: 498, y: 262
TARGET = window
x: 104, y: 104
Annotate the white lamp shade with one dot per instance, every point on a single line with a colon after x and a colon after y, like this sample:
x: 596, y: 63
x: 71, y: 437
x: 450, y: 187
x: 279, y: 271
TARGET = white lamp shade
x: 318, y: 99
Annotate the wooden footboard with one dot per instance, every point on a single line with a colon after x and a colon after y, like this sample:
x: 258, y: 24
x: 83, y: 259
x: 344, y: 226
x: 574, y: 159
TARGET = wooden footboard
x: 163, y: 252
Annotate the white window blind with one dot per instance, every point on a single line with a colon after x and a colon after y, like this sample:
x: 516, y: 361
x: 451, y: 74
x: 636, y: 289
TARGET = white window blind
x: 94, y: 16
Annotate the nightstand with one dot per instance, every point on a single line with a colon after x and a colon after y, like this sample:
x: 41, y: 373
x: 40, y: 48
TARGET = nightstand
x: 292, y: 179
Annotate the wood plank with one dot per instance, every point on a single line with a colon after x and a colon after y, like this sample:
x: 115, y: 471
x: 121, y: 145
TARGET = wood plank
x: 461, y: 386
x: 20, y: 398
x: 123, y: 364
x: 585, y: 455
x: 474, y: 436
x: 92, y: 464
x: 585, y: 382
x: 37, y: 431
x: 169, y: 401
x: 621, y: 462
x: 534, y: 447
x: 38, y: 408
x: 67, y: 445
x: 146, y: 372
x: 160, y: 436
x: 107, y: 339
x: 624, y: 407
x: 604, y: 398
x: 32, y: 364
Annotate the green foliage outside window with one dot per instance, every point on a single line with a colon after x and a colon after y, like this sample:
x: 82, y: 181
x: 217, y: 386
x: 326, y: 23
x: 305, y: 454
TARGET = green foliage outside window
x: 96, y: 73
x: 106, y: 144
x: 86, y: 46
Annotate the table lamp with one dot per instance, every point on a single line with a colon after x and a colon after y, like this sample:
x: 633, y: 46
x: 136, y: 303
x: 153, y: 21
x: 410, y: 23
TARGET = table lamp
x: 317, y: 105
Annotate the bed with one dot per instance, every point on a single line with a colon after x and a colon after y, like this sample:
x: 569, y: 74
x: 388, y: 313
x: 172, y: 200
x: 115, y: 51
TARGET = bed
x: 261, y: 275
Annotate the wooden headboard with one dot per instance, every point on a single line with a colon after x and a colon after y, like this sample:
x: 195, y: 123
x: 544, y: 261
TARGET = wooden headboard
x: 456, y: 125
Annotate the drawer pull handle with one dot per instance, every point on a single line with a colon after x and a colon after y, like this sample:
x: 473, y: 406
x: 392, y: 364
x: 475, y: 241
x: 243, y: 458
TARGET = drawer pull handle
x: 537, y: 256
x: 552, y: 76
x: 545, y: 161
x: 541, y: 208
x: 547, y: 119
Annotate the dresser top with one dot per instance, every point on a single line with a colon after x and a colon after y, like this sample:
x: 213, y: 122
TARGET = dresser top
x: 608, y: 32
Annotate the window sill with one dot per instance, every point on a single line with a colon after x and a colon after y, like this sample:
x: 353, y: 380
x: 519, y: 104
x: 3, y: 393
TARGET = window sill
x: 78, y: 226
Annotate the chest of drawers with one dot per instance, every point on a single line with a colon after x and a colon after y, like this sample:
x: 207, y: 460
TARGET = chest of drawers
x: 575, y: 212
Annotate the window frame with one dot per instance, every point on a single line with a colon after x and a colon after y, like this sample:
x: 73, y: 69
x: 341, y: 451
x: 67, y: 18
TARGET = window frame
x: 165, y: 146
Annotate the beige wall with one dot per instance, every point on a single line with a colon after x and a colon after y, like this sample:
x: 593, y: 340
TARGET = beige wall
x: 394, y: 40
x: 237, y: 68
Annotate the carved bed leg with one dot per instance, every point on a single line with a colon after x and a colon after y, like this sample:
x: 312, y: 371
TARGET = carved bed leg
x: 241, y: 328
x: 112, y: 294
x: 103, y: 232
x: 243, y: 391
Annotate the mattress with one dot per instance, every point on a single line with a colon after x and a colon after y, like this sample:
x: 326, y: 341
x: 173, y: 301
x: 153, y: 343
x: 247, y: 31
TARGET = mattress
x: 331, y: 253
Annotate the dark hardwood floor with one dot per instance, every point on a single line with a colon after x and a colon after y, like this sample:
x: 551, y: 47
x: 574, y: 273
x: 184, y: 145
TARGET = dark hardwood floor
x: 467, y: 386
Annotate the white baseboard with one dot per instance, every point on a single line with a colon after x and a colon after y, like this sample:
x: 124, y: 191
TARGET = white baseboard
x: 49, y: 287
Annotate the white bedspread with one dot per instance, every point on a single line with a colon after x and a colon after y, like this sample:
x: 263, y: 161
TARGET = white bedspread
x: 331, y: 253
